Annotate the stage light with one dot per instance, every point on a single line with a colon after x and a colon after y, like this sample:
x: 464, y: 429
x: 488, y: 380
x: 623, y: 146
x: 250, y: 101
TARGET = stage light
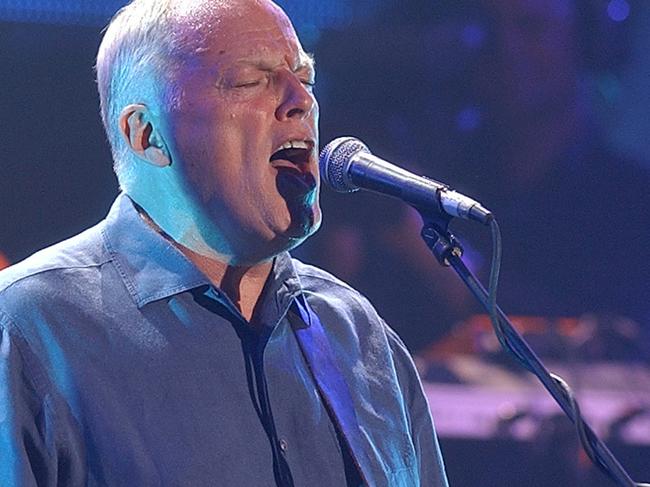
x: 618, y: 10
x: 474, y: 35
x: 469, y: 119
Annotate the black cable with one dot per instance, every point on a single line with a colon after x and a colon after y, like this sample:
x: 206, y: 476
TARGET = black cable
x: 501, y: 331
x: 525, y: 357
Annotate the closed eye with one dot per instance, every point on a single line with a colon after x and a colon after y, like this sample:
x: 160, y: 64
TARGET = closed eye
x: 308, y: 84
x: 248, y: 84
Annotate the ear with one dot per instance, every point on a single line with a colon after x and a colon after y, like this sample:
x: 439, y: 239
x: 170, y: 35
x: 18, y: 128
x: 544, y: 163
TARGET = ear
x: 141, y: 135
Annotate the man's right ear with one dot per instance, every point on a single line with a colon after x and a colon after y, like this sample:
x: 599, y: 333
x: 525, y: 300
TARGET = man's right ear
x: 141, y: 135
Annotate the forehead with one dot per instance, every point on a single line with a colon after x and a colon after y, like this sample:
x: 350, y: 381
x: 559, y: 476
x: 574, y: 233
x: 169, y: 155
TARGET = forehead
x: 236, y: 29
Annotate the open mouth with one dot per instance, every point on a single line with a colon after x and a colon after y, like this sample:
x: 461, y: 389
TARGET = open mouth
x: 292, y: 163
x: 295, y: 151
x: 295, y: 155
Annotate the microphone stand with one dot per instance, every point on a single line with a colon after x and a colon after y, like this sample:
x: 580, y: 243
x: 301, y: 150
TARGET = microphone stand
x: 448, y: 251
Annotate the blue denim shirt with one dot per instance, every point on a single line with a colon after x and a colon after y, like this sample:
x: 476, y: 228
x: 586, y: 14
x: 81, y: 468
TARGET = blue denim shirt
x: 120, y: 364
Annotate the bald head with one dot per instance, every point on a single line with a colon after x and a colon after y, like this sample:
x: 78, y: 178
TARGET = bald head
x: 144, y: 47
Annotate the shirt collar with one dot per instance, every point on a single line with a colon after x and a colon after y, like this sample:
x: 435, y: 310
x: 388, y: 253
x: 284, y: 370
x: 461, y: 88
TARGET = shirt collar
x: 153, y: 269
x: 281, y: 288
x: 150, y: 266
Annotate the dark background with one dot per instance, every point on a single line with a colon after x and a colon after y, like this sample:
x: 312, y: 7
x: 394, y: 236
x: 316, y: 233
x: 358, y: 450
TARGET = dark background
x: 538, y: 108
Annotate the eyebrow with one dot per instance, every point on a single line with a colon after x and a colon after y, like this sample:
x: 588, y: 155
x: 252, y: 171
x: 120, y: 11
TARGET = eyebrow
x: 306, y: 61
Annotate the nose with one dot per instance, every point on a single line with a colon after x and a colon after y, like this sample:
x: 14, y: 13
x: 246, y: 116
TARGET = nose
x: 297, y: 99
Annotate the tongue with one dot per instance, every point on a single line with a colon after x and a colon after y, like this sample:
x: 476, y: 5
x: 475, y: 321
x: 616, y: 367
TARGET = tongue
x: 297, y: 156
x: 292, y: 180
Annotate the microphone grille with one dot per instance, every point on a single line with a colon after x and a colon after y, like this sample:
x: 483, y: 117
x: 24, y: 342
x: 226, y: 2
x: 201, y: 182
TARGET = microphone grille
x: 335, y: 160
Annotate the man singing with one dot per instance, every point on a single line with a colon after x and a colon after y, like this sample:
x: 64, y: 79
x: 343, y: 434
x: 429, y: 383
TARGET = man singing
x: 177, y: 343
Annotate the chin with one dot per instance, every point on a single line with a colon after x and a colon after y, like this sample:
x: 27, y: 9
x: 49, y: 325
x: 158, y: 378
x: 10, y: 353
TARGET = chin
x: 302, y: 228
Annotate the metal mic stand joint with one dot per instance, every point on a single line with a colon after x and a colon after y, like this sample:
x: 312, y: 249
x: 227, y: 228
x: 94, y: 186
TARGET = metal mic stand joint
x: 442, y: 243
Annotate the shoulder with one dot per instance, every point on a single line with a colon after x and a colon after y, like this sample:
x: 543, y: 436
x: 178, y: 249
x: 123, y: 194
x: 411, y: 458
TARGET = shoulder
x: 347, y: 310
x: 52, y: 272
x: 372, y: 357
x: 325, y: 290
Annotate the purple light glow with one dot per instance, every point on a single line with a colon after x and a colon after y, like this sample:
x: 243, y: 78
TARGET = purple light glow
x: 469, y: 119
x: 618, y: 10
x: 473, y: 35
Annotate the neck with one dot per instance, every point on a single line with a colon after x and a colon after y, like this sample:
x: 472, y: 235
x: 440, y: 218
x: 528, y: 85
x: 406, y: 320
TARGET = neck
x: 242, y: 284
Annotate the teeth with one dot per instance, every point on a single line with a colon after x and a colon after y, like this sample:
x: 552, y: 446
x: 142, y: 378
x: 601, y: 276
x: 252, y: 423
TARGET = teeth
x: 294, y: 144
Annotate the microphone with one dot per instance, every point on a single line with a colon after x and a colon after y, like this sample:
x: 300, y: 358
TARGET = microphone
x: 347, y: 165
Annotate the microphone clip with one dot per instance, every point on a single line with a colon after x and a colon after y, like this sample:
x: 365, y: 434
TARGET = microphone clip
x: 435, y: 233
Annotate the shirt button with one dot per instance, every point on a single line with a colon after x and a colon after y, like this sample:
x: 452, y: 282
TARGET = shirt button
x: 284, y: 446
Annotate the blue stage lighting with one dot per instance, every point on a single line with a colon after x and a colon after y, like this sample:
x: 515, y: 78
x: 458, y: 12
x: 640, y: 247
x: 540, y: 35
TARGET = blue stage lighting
x: 618, y: 10
x: 59, y: 11
x: 311, y: 15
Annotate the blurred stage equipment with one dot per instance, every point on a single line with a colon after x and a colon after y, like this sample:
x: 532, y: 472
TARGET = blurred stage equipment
x: 522, y: 413
x: 482, y: 403
x: 474, y: 392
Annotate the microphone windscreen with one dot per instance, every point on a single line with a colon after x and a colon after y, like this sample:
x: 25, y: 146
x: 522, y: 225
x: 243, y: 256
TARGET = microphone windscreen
x: 334, y: 162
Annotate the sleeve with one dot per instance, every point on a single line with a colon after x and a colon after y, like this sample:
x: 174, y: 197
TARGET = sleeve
x: 428, y: 453
x: 35, y: 447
